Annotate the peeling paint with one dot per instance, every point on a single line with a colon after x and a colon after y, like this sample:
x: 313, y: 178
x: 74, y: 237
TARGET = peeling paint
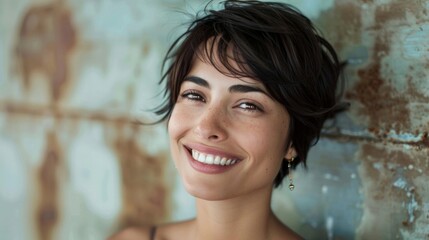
x: 416, y: 44
x: 330, y: 227
x: 384, y: 105
x: 387, y: 93
x: 412, y: 207
x: 393, y: 183
x: 400, y: 183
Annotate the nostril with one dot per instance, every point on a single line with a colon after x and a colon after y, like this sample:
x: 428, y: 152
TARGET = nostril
x: 210, y: 126
x: 213, y: 137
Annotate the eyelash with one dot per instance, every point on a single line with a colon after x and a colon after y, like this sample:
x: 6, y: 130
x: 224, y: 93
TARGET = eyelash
x: 249, y: 107
x: 193, y: 95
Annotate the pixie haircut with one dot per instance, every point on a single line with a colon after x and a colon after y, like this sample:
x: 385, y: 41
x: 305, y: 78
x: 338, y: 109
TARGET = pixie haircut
x: 272, y: 43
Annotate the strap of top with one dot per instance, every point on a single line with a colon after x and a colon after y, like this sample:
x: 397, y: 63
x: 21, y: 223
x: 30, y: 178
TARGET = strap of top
x: 152, y: 233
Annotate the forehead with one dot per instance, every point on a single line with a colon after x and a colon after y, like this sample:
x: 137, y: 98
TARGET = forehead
x: 225, y: 58
x: 206, y: 67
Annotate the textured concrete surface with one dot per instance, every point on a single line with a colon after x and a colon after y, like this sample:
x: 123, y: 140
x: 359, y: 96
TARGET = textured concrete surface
x: 76, y: 76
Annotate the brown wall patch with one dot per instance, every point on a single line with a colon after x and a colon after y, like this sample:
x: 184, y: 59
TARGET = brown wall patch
x: 47, y: 213
x: 145, y: 193
x: 390, y: 178
x: 386, y: 107
x: 45, y: 40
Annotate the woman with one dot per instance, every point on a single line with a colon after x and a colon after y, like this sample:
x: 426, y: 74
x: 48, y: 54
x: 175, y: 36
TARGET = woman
x: 249, y: 87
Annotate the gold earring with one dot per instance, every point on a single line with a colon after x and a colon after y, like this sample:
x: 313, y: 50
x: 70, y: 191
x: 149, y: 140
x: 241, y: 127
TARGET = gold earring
x: 289, y: 167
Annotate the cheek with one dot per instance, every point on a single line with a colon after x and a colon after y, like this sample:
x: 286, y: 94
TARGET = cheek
x: 174, y: 124
x: 270, y: 139
x: 173, y: 127
x: 263, y: 144
x: 268, y: 145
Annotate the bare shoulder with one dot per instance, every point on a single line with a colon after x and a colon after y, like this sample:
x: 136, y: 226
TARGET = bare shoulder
x: 175, y: 230
x: 284, y: 232
x: 164, y: 231
x: 132, y: 233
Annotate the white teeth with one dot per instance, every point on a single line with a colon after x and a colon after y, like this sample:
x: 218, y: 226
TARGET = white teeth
x: 211, y: 159
x: 194, y: 154
x: 217, y: 160
x: 201, y: 158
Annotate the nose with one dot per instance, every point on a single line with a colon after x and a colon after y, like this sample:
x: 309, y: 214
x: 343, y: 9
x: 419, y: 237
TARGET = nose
x: 212, y: 124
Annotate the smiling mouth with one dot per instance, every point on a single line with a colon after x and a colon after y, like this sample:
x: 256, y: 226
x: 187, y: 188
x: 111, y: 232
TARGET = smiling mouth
x: 211, y: 159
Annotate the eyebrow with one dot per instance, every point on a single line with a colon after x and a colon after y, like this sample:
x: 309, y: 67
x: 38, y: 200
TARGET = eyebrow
x: 197, y: 80
x: 239, y: 88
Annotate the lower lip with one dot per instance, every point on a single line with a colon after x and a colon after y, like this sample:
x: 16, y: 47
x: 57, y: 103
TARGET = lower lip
x: 207, y: 168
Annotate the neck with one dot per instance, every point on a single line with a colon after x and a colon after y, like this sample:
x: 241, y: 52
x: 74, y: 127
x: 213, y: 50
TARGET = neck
x: 243, y: 217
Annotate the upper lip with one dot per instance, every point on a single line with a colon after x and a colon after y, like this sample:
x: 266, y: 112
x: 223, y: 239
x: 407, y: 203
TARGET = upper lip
x: 210, y: 150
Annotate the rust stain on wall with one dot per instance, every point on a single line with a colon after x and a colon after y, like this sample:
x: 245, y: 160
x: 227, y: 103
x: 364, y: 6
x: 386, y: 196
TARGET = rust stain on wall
x: 47, y: 213
x: 342, y: 23
x: 390, y: 179
x: 394, y: 11
x: 386, y: 107
x: 80, y: 114
x: 393, y: 166
x: 383, y: 104
x: 145, y: 193
x: 45, y: 40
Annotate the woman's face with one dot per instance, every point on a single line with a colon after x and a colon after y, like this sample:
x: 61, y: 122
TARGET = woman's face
x: 227, y: 136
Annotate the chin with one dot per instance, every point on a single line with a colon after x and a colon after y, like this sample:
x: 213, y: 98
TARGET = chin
x: 209, y: 192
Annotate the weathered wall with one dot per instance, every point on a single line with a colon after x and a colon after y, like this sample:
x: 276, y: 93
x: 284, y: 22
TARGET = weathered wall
x: 76, y: 75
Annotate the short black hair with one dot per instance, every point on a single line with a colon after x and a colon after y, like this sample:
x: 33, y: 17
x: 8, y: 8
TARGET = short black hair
x: 273, y: 43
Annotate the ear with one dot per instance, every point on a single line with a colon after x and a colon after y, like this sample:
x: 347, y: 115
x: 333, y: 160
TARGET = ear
x: 291, y: 152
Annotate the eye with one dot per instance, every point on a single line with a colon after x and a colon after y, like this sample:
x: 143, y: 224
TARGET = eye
x: 247, y: 106
x: 192, y: 95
